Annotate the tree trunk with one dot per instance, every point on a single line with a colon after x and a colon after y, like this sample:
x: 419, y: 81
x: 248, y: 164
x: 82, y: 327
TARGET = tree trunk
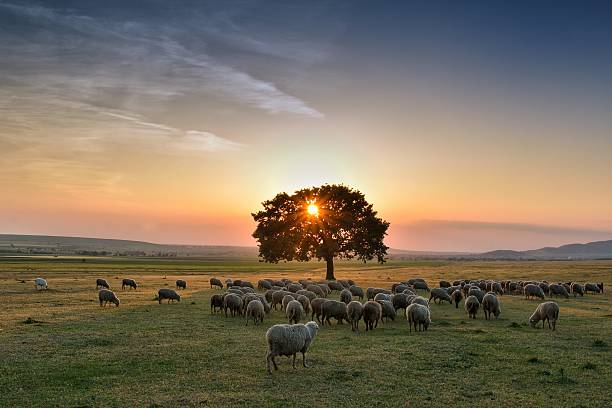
x: 330, y: 269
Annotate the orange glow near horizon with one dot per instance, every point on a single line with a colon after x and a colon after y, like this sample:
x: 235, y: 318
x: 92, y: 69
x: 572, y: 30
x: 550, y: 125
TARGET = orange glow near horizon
x: 313, y: 209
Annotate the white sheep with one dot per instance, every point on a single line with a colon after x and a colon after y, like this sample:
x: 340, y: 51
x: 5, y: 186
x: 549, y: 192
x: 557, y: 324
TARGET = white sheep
x: 288, y: 340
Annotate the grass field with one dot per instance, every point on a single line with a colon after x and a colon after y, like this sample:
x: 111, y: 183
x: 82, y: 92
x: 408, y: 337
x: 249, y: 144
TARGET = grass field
x: 73, y: 353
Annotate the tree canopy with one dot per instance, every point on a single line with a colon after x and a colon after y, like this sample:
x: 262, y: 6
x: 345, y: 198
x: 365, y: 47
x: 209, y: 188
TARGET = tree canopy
x: 326, y: 222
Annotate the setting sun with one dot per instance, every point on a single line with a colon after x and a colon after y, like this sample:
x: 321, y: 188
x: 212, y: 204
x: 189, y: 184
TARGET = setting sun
x: 313, y: 209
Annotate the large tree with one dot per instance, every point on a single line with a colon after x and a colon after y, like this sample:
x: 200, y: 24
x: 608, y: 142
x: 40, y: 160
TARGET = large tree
x: 327, y: 222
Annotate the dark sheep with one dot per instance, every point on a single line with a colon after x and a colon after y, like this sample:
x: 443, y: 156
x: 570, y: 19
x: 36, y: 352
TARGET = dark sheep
x: 181, y: 284
x: 356, y: 291
x: 128, y: 282
x: 345, y: 296
x: 102, y: 283
x: 108, y: 296
x: 216, y: 301
x: 169, y: 294
x: 335, y: 309
x: 372, y: 313
x: 216, y: 282
x: 233, y: 303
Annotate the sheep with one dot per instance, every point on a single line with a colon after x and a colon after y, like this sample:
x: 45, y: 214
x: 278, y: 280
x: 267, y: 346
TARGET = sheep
x: 232, y: 302
x: 356, y: 291
x: 265, y: 303
x: 547, y: 311
x: 476, y: 292
x: 102, y: 283
x: 264, y: 284
x: 40, y: 283
x: 255, y: 310
x: 345, y: 296
x: 388, y: 311
x: 310, y: 295
x: 294, y: 287
x: 316, y: 306
x: 441, y: 295
x: 268, y: 295
x: 294, y: 311
x: 181, y: 284
x: 420, y: 300
x: 287, y: 340
x: 409, y: 292
x: 335, y: 309
x: 418, y: 316
x: 335, y: 285
x: 471, y: 306
x: 314, y: 288
x: 246, y: 299
x: 421, y: 285
x: 445, y: 284
x: 169, y: 294
x: 286, y: 300
x: 216, y: 282
x: 216, y: 301
x: 400, y: 301
x: 229, y: 283
x: 354, y: 312
x: 345, y: 283
x: 577, y: 289
x: 545, y: 286
x: 411, y: 282
x: 371, y: 292
x: 236, y: 290
x: 456, y: 297
x: 372, y: 313
x: 277, y: 297
x: 497, y: 288
x: 305, y: 302
x: 105, y: 296
x: 558, y: 290
x: 128, y: 282
x: 382, y: 296
x: 592, y: 287
x: 531, y: 290
x: 490, y: 304
x: 399, y: 287
x: 325, y: 287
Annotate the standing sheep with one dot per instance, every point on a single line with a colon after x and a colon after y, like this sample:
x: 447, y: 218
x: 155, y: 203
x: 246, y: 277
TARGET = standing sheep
x: 102, y: 283
x: 471, y: 306
x: 531, y: 290
x: 372, y: 313
x: 345, y: 296
x: 490, y: 304
x: 335, y: 309
x: 294, y: 311
x: 181, y: 284
x: 288, y: 340
x: 592, y: 287
x: 169, y: 294
x: 440, y: 295
x: 354, y: 311
x: 421, y: 285
x: 547, y: 311
x: 316, y: 306
x: 216, y: 301
x: 232, y: 302
x: 107, y: 296
x: 456, y: 297
x: 129, y: 282
x: 40, y: 283
x: 418, y: 316
x: 388, y: 311
x: 577, y: 289
x: 255, y: 309
x: 216, y: 282
x: 356, y: 291
x: 305, y: 302
x: 559, y: 290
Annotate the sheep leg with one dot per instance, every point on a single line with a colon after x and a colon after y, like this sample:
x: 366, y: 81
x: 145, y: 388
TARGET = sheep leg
x: 294, y: 354
x: 304, y: 359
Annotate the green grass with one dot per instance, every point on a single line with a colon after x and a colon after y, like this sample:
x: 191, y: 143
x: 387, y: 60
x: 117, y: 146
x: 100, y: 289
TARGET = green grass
x: 59, y: 348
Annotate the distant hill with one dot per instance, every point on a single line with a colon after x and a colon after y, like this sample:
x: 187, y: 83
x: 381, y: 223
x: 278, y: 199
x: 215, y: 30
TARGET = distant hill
x: 591, y: 250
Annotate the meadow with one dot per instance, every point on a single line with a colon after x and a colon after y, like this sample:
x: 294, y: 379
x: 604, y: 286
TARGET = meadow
x: 58, y: 348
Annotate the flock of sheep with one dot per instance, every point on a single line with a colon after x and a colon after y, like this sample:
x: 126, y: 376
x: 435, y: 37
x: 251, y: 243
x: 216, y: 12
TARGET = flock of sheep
x: 306, y: 298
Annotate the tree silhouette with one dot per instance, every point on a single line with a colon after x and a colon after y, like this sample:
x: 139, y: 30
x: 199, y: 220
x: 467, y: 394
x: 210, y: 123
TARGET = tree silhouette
x: 326, y: 222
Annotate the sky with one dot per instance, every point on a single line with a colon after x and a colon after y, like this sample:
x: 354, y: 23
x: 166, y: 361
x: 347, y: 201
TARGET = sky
x: 470, y: 126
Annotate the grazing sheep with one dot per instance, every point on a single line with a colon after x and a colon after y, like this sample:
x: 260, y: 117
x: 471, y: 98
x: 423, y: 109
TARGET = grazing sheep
x: 356, y: 291
x: 102, y: 283
x: 305, y: 302
x: 345, y: 283
x: 421, y: 285
x: 547, y: 311
x: 354, y: 312
x: 409, y: 292
x: 128, y: 282
x: 372, y: 313
x: 265, y: 303
x: 169, y: 294
x: 592, y: 287
x: 399, y: 287
x: 107, y: 296
x: 40, y: 283
x: 476, y: 292
x: 335, y: 285
x: 411, y: 282
x: 233, y: 303
x: 456, y: 297
x: 316, y: 306
x: 247, y: 289
x: 372, y: 292
x: 294, y: 311
x: 471, y: 306
x: 335, y: 309
x: 310, y: 295
x: 286, y: 300
x: 497, y: 288
x: 531, y: 290
x: 440, y: 295
x: 255, y: 309
x: 229, y: 283
x: 445, y: 284
x: 345, y: 296
x: 558, y: 290
x: 400, y: 301
x: 237, y: 282
x: 264, y: 284
x: 236, y: 290
x: 277, y: 297
x: 314, y: 288
x: 294, y: 287
x: 325, y: 287
x: 288, y: 340
x: 418, y: 316
x: 181, y: 284
x: 577, y: 289
x: 382, y: 296
x: 216, y: 282
x: 388, y: 311
x: 268, y: 295
x: 420, y: 301
x: 490, y: 304
x: 216, y: 301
